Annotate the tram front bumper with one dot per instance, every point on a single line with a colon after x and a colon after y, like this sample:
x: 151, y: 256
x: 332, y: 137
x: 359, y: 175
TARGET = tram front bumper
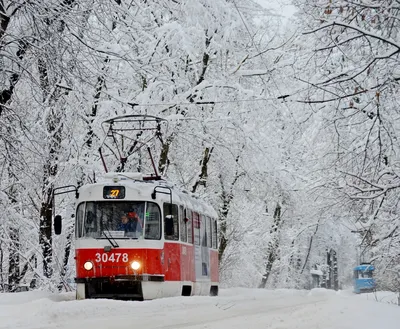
x: 118, y: 287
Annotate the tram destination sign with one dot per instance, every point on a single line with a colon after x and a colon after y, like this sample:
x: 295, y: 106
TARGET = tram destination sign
x: 114, y: 192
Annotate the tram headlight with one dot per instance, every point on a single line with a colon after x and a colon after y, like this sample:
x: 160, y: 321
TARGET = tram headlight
x: 88, y: 266
x: 135, y: 265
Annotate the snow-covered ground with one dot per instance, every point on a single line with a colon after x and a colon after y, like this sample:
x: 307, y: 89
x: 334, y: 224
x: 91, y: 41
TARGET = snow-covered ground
x: 234, y: 309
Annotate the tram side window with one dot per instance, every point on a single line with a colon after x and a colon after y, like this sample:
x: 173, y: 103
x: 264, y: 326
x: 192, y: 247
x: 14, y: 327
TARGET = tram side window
x: 152, y: 222
x: 188, y: 215
x: 171, y: 222
x: 80, y: 214
x: 196, y: 228
x: 214, y: 234
x: 203, y: 231
x: 183, y: 226
x: 208, y: 231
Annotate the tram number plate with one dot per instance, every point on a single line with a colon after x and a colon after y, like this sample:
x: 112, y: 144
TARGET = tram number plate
x: 111, y: 257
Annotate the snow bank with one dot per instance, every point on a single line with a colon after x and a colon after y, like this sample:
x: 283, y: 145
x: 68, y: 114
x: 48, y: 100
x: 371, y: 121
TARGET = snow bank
x: 235, y: 308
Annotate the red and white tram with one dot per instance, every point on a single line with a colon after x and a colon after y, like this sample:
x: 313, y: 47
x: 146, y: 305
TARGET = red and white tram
x: 139, y: 238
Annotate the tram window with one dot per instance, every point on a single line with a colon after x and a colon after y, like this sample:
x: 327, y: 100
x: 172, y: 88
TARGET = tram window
x: 214, y: 234
x: 196, y: 228
x: 171, y: 225
x: 152, y: 222
x: 122, y: 220
x: 364, y: 275
x: 188, y: 215
x: 208, y: 231
x: 203, y: 231
x: 183, y: 226
x: 91, y: 220
x: 80, y: 214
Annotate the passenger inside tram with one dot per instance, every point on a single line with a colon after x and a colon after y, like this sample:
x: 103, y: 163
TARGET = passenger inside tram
x: 137, y: 225
x: 130, y: 222
x: 125, y: 224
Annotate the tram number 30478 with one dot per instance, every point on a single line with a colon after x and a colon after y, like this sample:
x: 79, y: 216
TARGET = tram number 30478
x: 111, y: 257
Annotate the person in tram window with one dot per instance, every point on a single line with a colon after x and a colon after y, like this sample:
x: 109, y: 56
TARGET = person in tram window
x: 135, y: 221
x: 125, y: 224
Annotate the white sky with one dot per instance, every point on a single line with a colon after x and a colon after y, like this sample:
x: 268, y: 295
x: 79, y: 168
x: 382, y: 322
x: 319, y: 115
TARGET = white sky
x: 235, y: 308
x: 282, y: 7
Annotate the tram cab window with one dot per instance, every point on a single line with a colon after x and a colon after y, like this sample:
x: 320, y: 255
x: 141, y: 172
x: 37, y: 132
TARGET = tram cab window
x: 171, y: 222
x: 80, y: 215
x: 363, y: 274
x: 152, y: 222
x: 183, y: 226
x: 121, y: 220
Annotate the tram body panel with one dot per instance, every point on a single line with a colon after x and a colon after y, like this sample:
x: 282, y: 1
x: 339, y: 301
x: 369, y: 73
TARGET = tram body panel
x: 187, y: 263
x: 214, y: 266
x: 118, y: 262
x: 172, y: 261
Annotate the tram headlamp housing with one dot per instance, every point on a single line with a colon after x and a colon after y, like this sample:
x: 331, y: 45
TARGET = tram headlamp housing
x: 88, y: 266
x: 135, y: 265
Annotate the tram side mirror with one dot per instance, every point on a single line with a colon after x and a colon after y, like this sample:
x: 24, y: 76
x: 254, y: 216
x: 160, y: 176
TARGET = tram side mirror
x: 57, y: 224
x: 169, y: 225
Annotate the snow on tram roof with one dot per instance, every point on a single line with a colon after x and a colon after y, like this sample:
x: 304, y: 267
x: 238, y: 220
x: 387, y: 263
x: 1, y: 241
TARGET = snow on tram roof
x: 144, y: 186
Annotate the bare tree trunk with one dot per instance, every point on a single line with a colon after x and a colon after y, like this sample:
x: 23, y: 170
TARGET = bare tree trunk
x: 13, y: 260
x: 6, y: 93
x: 164, y: 159
x: 309, y: 248
x: 1, y: 267
x: 14, y: 276
x: 45, y: 233
x: 223, y: 215
x: 50, y: 169
x: 226, y: 197
x: 206, y: 59
x: 272, y: 246
x: 4, y: 19
x: 100, y: 85
x: 202, y: 180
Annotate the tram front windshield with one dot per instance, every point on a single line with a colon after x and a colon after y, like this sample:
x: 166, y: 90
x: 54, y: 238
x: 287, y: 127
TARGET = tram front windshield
x: 119, y: 220
x: 358, y: 274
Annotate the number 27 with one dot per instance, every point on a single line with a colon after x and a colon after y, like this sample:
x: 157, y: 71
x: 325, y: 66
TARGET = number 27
x: 114, y: 193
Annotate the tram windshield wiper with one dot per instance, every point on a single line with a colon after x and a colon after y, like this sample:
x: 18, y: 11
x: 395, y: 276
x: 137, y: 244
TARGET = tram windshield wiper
x: 110, y: 239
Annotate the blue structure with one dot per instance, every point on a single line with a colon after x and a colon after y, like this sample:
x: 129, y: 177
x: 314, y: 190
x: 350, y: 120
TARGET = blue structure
x: 363, y: 280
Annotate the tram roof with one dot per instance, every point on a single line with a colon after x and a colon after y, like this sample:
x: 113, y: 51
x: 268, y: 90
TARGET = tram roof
x: 364, y: 267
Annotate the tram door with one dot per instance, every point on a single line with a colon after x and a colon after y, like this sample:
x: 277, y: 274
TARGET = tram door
x: 187, y: 259
x: 197, y: 245
x: 201, y: 255
x: 172, y: 246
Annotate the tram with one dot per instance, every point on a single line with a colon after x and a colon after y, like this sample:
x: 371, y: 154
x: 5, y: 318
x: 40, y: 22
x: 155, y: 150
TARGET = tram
x: 138, y: 237
x: 363, y: 280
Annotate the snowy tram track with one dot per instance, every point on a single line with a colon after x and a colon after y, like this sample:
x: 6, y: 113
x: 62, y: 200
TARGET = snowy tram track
x: 234, y: 309
x: 260, y: 312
